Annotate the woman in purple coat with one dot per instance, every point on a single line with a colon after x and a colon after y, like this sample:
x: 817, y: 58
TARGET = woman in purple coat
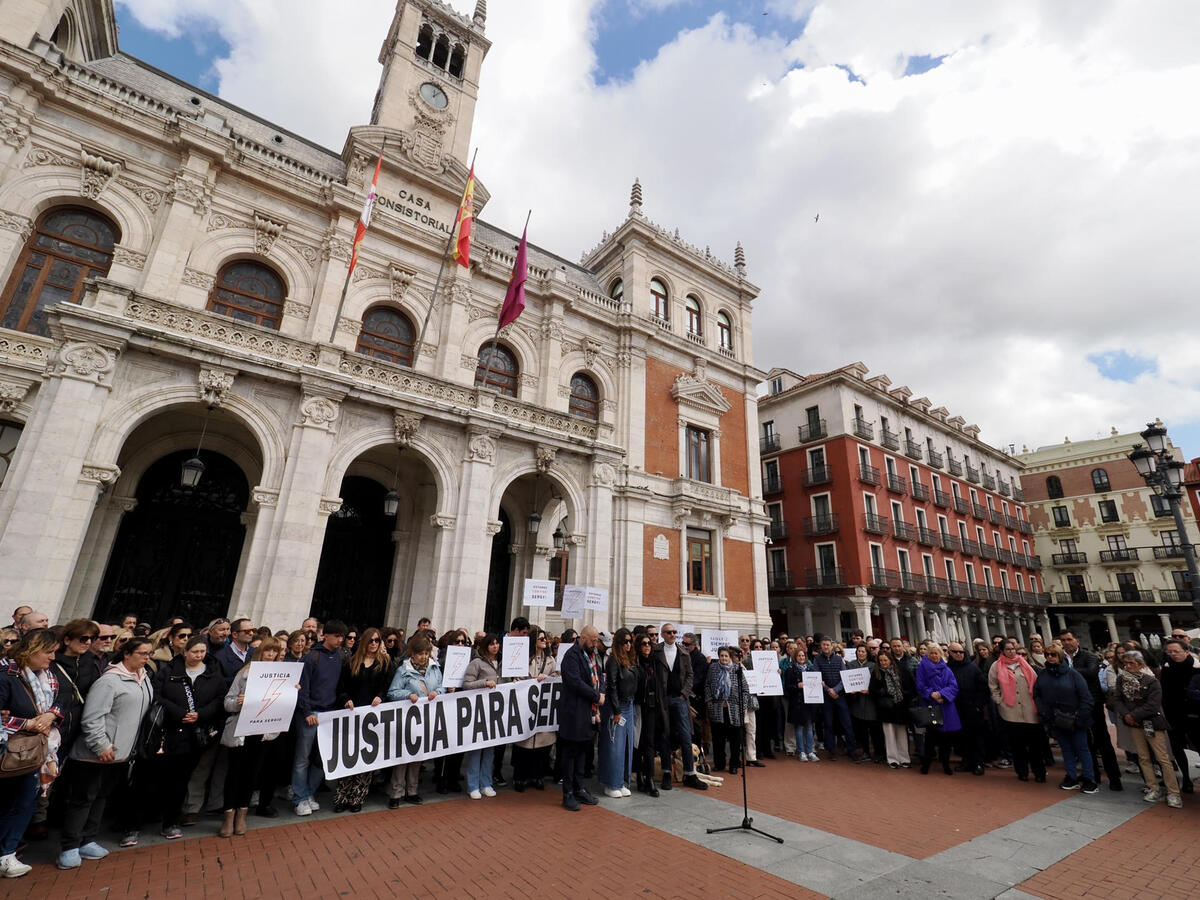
x: 937, y: 686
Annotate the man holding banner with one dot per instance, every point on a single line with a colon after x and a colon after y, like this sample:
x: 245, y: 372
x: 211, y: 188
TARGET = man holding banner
x: 578, y: 710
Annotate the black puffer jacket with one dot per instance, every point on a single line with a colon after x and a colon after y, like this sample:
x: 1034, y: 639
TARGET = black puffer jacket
x: 75, y: 675
x: 973, y: 693
x: 208, y: 697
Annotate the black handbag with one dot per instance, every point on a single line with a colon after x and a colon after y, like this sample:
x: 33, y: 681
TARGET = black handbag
x: 150, y: 734
x: 1064, y: 721
x: 927, y: 716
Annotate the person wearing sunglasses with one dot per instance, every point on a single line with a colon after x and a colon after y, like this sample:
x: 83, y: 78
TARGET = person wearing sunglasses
x: 236, y: 653
x: 616, y: 717
x: 364, y: 682
x: 673, y: 668
x: 172, y: 644
x: 76, y: 670
x: 9, y: 638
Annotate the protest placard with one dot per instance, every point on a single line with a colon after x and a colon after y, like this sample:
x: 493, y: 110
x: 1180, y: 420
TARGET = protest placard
x: 814, y: 688
x: 270, y: 698
x: 514, y: 659
x: 753, y: 680
x: 595, y: 599
x: 574, y: 600
x: 712, y: 640
x: 850, y: 654
x: 766, y: 663
x: 854, y: 680
x: 454, y: 666
x: 538, y: 592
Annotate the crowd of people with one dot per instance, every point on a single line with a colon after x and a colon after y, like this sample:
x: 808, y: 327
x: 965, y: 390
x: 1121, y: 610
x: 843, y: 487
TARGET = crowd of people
x: 91, y: 711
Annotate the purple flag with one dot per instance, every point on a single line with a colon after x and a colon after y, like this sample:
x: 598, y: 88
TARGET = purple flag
x: 514, y: 299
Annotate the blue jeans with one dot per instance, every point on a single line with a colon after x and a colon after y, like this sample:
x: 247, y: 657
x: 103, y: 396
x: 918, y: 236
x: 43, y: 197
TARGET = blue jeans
x: 616, y: 747
x: 18, y: 799
x: 478, y: 765
x: 680, y: 718
x: 804, y: 738
x: 842, y: 708
x: 306, y: 778
x: 1074, y: 746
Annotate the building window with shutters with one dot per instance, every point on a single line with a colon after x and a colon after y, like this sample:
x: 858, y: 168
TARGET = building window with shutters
x: 585, y: 398
x: 699, y: 565
x: 387, y: 334
x: 497, y: 369
x: 699, y: 461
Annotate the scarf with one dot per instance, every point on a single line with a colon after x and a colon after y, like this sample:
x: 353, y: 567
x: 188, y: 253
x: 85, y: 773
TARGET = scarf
x: 1130, y: 685
x: 420, y: 673
x: 891, y: 681
x: 1008, y: 680
x: 722, y: 690
x: 594, y: 667
x: 44, y: 687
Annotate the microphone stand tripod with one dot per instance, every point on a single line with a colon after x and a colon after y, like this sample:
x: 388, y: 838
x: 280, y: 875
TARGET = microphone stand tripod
x: 747, y: 822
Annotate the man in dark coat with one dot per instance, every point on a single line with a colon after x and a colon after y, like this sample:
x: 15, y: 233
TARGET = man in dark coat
x: 1087, y: 664
x: 673, y: 668
x: 578, y: 708
x: 972, y: 701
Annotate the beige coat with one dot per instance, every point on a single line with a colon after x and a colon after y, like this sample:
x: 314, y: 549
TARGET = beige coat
x: 1024, y: 710
x: 548, y: 667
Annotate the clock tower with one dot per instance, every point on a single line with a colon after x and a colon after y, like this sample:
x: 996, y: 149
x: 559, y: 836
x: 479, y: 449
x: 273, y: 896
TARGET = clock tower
x: 431, y: 61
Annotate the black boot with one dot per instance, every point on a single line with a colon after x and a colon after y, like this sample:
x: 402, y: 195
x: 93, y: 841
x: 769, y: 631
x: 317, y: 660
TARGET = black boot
x: 651, y: 787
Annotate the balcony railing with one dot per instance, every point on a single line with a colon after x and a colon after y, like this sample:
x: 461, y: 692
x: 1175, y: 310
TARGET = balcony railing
x: 972, y: 475
x: 995, y: 517
x: 920, y: 491
x: 912, y: 449
x: 989, y: 482
x: 910, y: 581
x: 768, y: 443
x: 1079, y: 596
x: 780, y: 579
x: 1005, y: 556
x: 1068, y: 559
x: 956, y: 467
x: 777, y: 530
x: 1171, y: 551
x: 831, y: 577
x: 959, y: 589
x: 864, y: 429
x: 987, y: 551
x: 1026, y: 528
x: 812, y: 431
x: 1174, y: 596
x: 885, y: 578
x: 978, y: 510
x: 772, y: 485
x: 815, y: 526
x: 941, y: 498
x: 1018, y: 494
x: 961, y: 505
x: 981, y: 592
x: 896, y: 484
x: 927, y: 536
x: 971, y: 548
x: 1033, y: 562
x: 1012, y: 522
x: 903, y: 530
x: 1128, y: 595
x: 868, y: 474
x: 816, y: 475
x: 1004, y: 487
x: 889, y: 439
x: 950, y: 542
x: 1124, y: 554
x: 935, y: 459
x: 876, y: 524
x: 935, y: 585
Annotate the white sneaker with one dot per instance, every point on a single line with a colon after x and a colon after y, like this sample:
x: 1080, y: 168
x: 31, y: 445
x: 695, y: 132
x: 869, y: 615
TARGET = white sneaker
x: 475, y: 795
x: 613, y: 794
x: 1154, y: 796
x: 812, y: 757
x: 1174, y: 801
x: 11, y: 867
x: 489, y: 792
x: 803, y: 757
x: 303, y: 808
x: 626, y: 792
x: 313, y: 805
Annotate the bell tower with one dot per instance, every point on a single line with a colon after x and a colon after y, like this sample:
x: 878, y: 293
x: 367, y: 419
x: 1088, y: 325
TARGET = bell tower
x: 431, y: 61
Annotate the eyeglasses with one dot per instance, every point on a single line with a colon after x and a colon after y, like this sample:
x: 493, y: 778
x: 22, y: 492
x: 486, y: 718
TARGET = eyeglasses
x: 541, y: 638
x: 370, y: 640
x: 84, y: 639
x: 105, y: 637
x: 669, y: 631
x: 461, y: 641
x: 182, y: 636
x: 10, y: 641
x: 627, y: 641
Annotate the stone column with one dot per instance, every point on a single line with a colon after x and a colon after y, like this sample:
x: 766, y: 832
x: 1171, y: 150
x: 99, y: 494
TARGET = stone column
x: 919, y: 614
x: 806, y: 609
x: 1166, y: 623
x: 1062, y: 621
x: 1017, y: 632
x: 257, y: 563
x: 93, y: 560
x: 593, y: 541
x: 1111, y: 621
x: 943, y: 621
x: 893, y: 606
x: 982, y: 617
x: 862, y: 609
x: 42, y: 526
x: 467, y: 559
x: 964, y: 616
x: 1046, y: 624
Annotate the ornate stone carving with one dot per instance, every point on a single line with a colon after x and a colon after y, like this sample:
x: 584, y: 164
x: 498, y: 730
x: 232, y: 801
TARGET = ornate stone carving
x: 11, y: 393
x: 95, y: 174
x: 591, y: 349
x: 14, y: 124
x: 564, y: 390
x: 131, y: 258
x: 624, y: 359
x: 493, y: 527
x: 193, y: 191
x: 537, y: 415
x: 468, y: 362
x: 40, y: 156
x: 100, y: 474
x: 219, y: 221
x: 80, y: 359
x: 266, y: 232
x: 214, y: 384
x: 402, y: 380
x: 545, y: 458
x: 474, y: 313
x: 405, y: 425
x: 335, y: 245
x: 578, y: 540
x: 307, y: 252
x: 423, y: 144
x: 199, y: 279
x: 362, y: 272
x: 401, y: 279
x: 22, y: 225
x: 459, y: 293
x: 603, y: 474
x: 152, y: 197
x: 697, y: 391
x: 318, y: 410
x: 328, y: 506
x: 124, y: 504
x: 351, y: 327
x: 293, y: 308
x: 441, y: 520
x: 266, y: 496
x: 481, y: 448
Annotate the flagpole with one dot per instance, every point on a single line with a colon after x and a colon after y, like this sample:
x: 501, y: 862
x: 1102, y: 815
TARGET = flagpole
x: 496, y: 337
x: 438, y: 282
x: 346, y: 284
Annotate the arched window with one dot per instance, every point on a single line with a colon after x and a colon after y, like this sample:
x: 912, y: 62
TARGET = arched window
x: 585, y: 397
x: 457, y: 57
x: 249, y: 292
x: 1100, y: 480
x: 658, y: 298
x: 617, y: 290
x: 387, y: 334
x: 1053, y: 487
x: 441, y: 51
x: 425, y: 41
x: 69, y: 246
x: 497, y: 369
x: 724, y: 330
x: 695, y: 318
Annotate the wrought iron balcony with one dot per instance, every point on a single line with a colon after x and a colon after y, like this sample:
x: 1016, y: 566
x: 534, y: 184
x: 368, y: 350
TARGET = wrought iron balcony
x: 780, y: 579
x: 903, y: 530
x: 1026, y: 528
x: 961, y: 505
x: 950, y: 542
x: 972, y: 475
x: 885, y: 578
x: 1124, y: 554
x: 1012, y: 522
x: 814, y: 526
x: 920, y: 491
x: 941, y: 498
x: 989, y: 482
x: 978, y: 510
x: 1018, y: 494
x: 864, y: 429
x: 1004, y: 487
x: 1170, y: 551
x: 1174, y: 596
x: 910, y: 581
x: 1077, y: 596
x: 935, y: 585
x: 912, y: 449
x: 987, y: 551
x: 959, y: 589
x: 1068, y: 559
x: 981, y: 592
x: 831, y: 577
x: 778, y: 530
x: 1128, y: 595
x: 812, y: 431
x: 936, y: 459
x: 970, y: 547
x: 1033, y: 562
x: 876, y: 524
x: 1006, y: 556
x: 889, y: 439
x: 955, y: 466
x: 995, y: 517
x: 868, y: 474
x: 772, y: 485
x: 816, y: 475
x: 927, y: 536
x: 768, y: 443
x: 896, y: 484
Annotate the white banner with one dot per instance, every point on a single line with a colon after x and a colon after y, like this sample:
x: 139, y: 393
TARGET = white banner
x: 574, y: 601
x: 595, y: 599
x: 351, y: 741
x: 753, y: 680
x: 514, y: 659
x: 854, y: 680
x: 766, y: 665
x: 270, y: 698
x: 538, y: 592
x: 454, y: 666
x: 814, y: 688
x: 850, y: 654
x: 711, y: 641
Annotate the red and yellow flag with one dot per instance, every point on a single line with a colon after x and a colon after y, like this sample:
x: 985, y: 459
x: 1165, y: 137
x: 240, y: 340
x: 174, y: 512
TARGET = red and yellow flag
x: 462, y: 223
x: 364, y: 220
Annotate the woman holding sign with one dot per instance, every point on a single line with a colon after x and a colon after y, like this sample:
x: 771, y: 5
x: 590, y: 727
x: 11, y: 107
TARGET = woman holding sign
x: 727, y: 697
x: 482, y: 672
x: 419, y: 678
x: 363, y: 682
x: 801, y: 714
x: 616, y: 716
x: 531, y: 757
x: 249, y: 755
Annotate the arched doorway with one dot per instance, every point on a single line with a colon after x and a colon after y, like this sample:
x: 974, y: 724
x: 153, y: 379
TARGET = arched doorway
x: 495, y: 611
x: 356, y: 559
x: 177, y: 552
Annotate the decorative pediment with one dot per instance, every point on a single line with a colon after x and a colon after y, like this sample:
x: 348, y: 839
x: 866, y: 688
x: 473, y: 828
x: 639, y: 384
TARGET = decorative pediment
x: 697, y: 391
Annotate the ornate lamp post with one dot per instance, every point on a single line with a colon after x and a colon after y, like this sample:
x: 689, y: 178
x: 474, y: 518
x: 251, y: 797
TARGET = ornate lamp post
x: 1162, y: 472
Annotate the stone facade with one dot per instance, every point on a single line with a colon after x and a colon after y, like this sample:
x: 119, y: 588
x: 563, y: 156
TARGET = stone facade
x: 143, y: 367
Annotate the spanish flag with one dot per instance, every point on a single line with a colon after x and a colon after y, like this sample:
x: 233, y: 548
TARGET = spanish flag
x: 462, y: 223
x: 364, y: 220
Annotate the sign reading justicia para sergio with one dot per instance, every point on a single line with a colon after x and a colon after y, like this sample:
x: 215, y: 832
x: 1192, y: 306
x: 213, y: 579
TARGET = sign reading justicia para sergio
x: 351, y: 741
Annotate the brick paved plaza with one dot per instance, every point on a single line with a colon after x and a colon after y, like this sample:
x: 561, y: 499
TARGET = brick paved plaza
x: 849, y: 831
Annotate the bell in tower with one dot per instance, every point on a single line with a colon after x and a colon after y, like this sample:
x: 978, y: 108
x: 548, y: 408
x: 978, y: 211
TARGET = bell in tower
x: 431, y: 60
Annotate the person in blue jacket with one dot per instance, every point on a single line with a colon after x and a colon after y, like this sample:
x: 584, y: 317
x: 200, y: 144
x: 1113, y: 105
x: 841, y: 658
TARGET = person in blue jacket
x: 1064, y: 703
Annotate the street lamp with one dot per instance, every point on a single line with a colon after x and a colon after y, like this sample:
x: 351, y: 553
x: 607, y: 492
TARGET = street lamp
x: 534, y: 522
x: 193, y: 468
x: 560, y: 538
x: 1162, y: 472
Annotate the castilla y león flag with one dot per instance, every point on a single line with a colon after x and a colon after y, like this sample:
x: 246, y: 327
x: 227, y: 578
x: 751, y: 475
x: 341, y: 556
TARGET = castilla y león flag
x: 364, y: 220
x: 463, y: 221
x: 514, y: 298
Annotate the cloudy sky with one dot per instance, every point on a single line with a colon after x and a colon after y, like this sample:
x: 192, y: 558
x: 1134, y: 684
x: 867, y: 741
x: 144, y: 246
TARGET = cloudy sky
x: 1009, y: 193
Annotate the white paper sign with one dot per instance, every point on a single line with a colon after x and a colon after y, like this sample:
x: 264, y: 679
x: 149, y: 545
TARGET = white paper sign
x: 766, y: 664
x: 712, y: 640
x: 455, y: 665
x: 538, y: 592
x: 515, y: 660
x: 595, y: 599
x: 574, y: 597
x: 854, y: 680
x: 850, y: 654
x: 753, y: 680
x: 814, y: 688
x: 562, y: 651
x: 270, y: 700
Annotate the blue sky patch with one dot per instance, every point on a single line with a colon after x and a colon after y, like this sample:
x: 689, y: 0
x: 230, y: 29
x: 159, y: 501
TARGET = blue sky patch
x: 1120, y: 365
x: 854, y: 76
x: 188, y: 57
x: 919, y: 65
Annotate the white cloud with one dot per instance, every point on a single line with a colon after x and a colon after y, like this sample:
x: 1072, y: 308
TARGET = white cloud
x: 984, y: 226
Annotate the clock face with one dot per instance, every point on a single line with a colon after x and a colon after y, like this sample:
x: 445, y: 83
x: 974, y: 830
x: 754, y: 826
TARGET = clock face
x: 434, y: 95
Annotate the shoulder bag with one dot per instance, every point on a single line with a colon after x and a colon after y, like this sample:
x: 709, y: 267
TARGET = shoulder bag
x: 927, y: 716
x: 25, y: 752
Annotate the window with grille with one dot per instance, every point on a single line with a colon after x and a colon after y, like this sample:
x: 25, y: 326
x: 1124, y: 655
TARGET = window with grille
x: 248, y: 291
